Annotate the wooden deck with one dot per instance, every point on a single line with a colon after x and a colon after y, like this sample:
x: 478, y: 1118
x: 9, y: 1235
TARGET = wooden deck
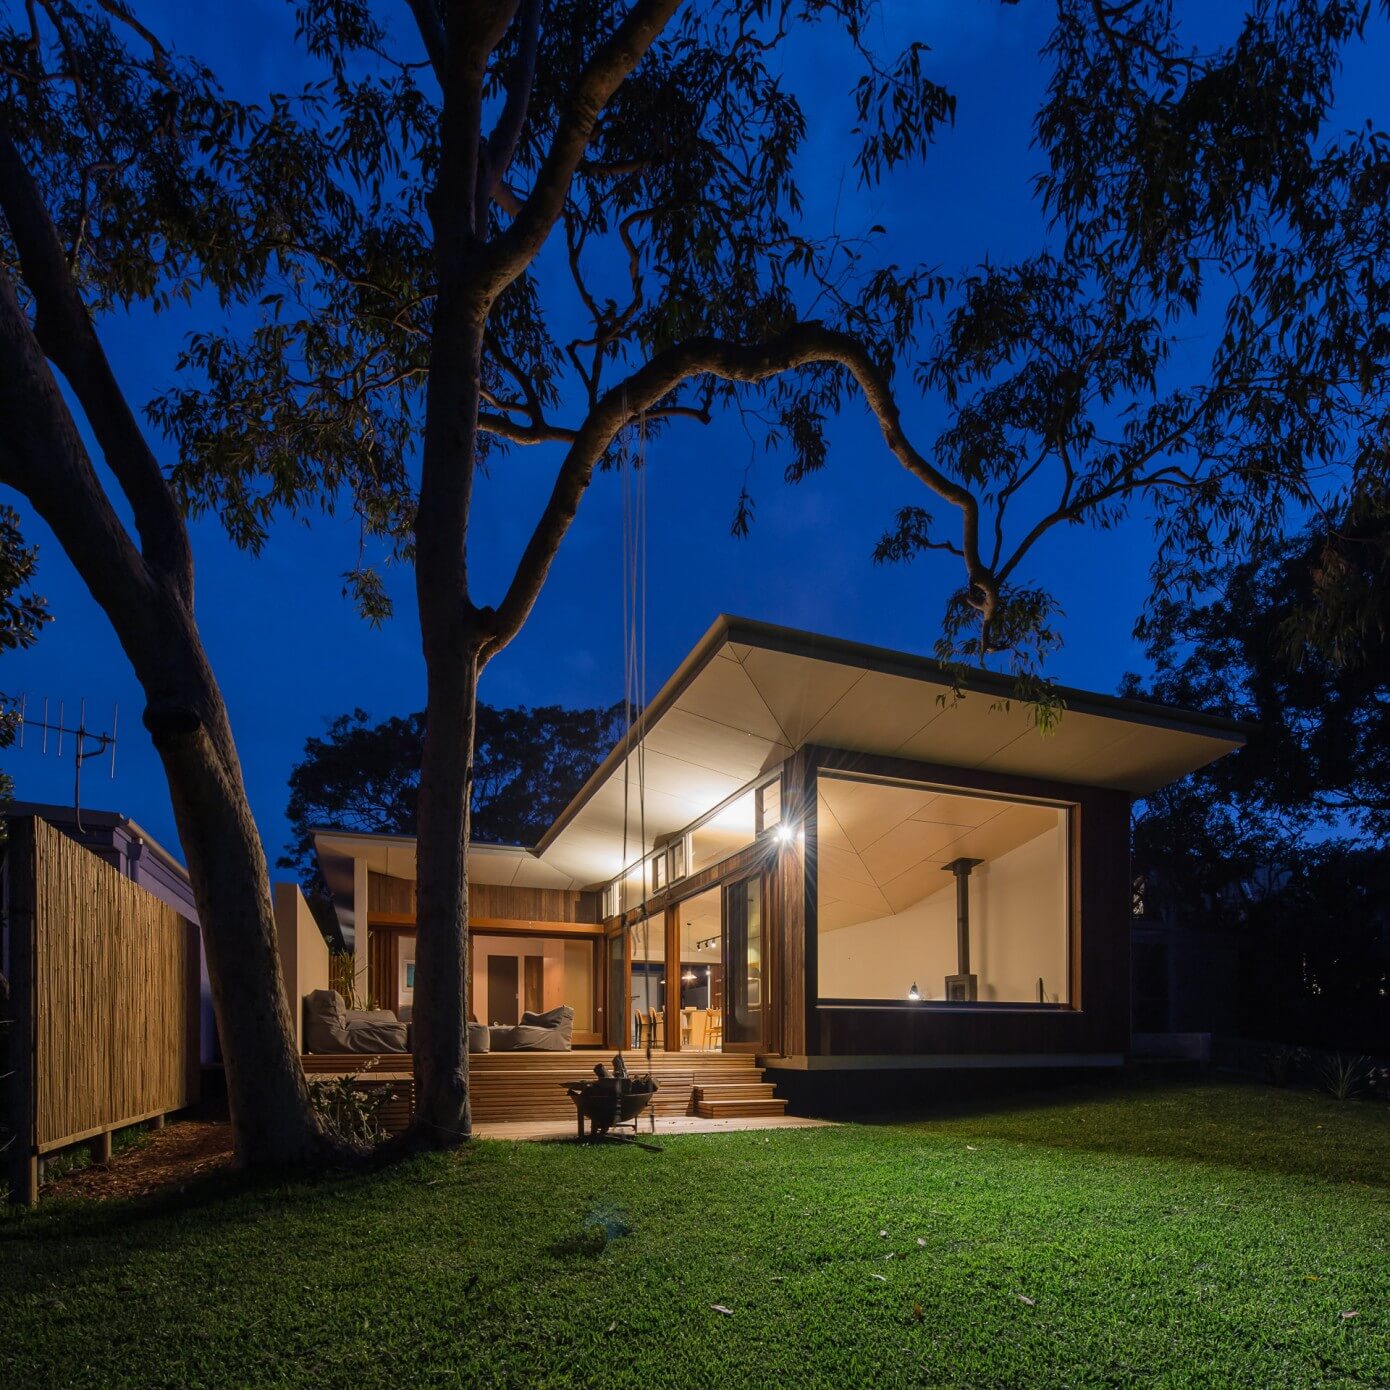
x: 529, y: 1087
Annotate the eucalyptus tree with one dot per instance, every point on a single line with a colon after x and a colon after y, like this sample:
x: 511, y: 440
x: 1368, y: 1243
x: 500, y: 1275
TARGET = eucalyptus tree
x: 1236, y: 188
x: 107, y: 200
x: 488, y: 230
x: 646, y: 152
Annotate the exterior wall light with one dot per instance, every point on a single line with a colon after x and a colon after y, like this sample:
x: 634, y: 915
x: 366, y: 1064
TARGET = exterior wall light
x: 784, y: 834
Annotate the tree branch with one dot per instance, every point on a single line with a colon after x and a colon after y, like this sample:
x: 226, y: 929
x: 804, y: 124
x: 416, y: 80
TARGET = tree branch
x: 613, y: 61
x: 805, y: 344
x: 42, y: 456
x: 64, y: 330
x: 502, y: 143
x: 538, y: 432
x: 431, y: 28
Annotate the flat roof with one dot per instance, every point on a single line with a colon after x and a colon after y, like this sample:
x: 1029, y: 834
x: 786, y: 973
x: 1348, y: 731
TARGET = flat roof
x: 63, y: 815
x: 751, y: 693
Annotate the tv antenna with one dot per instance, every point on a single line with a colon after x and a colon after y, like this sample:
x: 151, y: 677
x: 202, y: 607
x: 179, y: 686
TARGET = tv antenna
x: 86, y: 744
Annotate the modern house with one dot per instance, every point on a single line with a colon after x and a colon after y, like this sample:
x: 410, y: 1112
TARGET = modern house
x: 824, y: 855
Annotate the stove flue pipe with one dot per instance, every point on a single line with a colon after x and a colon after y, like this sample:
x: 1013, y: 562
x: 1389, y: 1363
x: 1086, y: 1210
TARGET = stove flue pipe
x: 961, y: 868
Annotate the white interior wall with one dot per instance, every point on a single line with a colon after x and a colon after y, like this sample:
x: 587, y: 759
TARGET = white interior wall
x: 1019, y: 903
x: 881, y: 958
x: 567, y: 975
x: 1017, y: 933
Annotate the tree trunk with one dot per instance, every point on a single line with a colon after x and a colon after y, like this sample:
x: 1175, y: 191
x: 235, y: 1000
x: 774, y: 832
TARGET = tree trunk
x: 452, y: 638
x: 273, y: 1125
x: 440, y: 1018
x: 43, y: 457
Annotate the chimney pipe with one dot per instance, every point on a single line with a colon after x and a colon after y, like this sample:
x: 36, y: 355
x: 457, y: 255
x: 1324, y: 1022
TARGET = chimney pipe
x: 962, y: 985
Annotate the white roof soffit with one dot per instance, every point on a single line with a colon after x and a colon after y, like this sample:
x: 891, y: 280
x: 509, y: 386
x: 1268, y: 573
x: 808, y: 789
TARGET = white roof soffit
x: 752, y: 693
x: 506, y: 866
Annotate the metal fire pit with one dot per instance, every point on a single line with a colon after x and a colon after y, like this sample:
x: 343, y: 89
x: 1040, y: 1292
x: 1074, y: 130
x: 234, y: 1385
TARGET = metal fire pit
x: 612, y: 1099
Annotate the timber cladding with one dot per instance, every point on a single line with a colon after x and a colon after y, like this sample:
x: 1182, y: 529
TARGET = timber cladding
x: 393, y: 899
x: 106, y: 1007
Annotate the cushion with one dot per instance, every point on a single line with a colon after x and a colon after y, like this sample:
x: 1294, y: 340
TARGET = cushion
x: 559, y: 1020
x: 527, y: 1038
x: 369, y: 1016
x: 331, y: 1027
x: 325, y: 1022
x: 378, y: 1037
x: 479, y: 1038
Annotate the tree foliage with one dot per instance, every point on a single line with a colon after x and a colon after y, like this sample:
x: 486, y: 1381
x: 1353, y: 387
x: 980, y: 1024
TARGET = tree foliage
x: 529, y: 763
x: 1227, y: 186
x: 1283, y: 841
x: 113, y: 190
x: 23, y: 613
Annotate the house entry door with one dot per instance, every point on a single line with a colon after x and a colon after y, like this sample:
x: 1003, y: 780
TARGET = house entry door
x: 744, y: 956
x: 502, y: 977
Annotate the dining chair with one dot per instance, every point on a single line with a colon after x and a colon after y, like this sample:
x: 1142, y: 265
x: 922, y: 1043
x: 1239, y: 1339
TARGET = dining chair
x: 656, y: 1028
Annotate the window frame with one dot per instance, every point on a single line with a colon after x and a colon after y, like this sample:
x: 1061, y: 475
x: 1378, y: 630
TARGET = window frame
x: 931, y: 780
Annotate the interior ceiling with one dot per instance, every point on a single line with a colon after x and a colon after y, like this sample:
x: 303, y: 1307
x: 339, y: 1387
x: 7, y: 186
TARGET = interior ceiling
x: 883, y: 848
x: 739, y: 707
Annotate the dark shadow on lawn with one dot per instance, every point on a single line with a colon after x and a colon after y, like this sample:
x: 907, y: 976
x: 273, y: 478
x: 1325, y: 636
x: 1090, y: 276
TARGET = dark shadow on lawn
x: 1229, y: 1122
x: 209, y: 1202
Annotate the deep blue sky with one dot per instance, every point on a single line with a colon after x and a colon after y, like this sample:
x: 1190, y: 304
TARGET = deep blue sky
x: 290, y: 651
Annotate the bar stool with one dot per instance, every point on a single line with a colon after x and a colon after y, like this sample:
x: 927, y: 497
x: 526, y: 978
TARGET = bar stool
x: 656, y: 1029
x: 687, y: 1026
x: 714, y: 1029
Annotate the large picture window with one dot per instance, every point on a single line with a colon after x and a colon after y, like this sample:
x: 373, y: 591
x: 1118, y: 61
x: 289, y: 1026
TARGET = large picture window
x: 938, y: 894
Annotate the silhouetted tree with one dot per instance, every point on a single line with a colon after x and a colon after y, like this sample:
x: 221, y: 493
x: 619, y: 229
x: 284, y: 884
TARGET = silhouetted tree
x: 528, y: 765
x: 111, y: 192
x: 1284, y: 841
x: 1224, y: 193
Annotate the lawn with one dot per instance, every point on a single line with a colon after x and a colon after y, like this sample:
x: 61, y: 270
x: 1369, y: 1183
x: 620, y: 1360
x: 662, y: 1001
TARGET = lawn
x: 1192, y: 1235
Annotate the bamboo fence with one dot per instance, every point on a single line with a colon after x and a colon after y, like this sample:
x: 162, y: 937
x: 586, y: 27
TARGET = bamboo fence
x: 104, y: 1009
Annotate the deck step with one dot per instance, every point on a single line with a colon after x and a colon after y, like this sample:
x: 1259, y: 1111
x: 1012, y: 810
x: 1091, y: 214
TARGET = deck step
x: 531, y: 1086
x: 742, y: 1090
x: 733, y: 1109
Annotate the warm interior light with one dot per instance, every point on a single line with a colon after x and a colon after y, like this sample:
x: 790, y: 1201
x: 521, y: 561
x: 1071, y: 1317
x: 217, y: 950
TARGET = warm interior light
x: 914, y: 993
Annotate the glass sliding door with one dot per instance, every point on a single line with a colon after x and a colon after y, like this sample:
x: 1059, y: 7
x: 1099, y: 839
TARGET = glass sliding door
x: 744, y: 983
x: 617, y: 1023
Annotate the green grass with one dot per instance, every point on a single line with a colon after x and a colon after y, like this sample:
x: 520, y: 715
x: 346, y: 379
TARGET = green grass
x: 1197, y: 1235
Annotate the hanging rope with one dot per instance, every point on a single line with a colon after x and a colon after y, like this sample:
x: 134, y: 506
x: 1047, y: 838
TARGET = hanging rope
x: 632, y: 472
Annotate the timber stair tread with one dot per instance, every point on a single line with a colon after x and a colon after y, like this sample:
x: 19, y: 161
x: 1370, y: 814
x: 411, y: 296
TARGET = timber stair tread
x: 728, y: 1100
x: 737, y: 1090
x: 531, y: 1086
x: 730, y: 1109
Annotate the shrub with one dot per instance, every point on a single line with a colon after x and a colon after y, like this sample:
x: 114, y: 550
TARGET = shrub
x: 350, y: 1111
x: 1344, y: 1077
x: 1282, y: 1063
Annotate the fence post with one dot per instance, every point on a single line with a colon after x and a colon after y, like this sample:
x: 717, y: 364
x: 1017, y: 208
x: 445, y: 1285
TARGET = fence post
x: 22, y: 881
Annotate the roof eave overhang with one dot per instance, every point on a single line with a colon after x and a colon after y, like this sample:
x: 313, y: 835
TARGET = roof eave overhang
x: 727, y: 630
